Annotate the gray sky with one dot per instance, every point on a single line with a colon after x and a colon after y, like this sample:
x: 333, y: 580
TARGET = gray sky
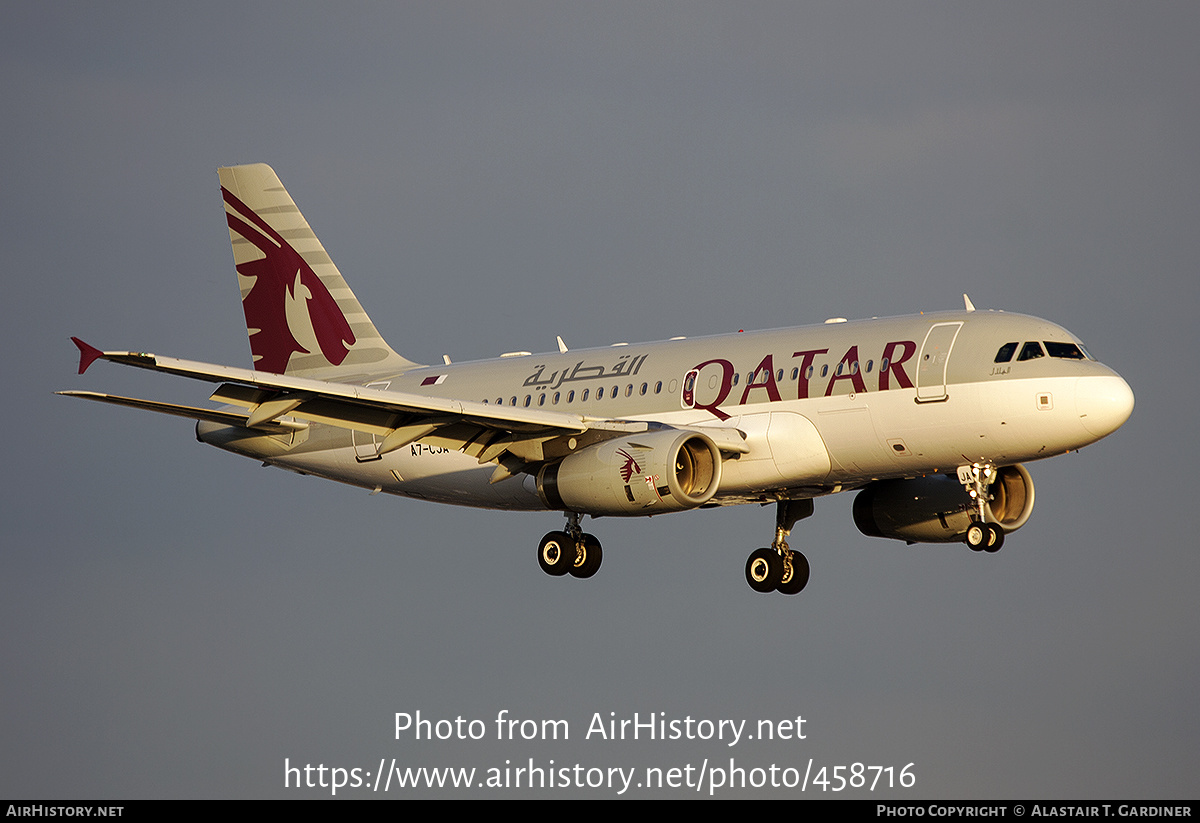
x: 487, y: 175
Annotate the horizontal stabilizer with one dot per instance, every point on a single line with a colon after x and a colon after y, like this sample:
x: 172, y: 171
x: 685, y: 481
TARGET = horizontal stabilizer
x: 211, y: 415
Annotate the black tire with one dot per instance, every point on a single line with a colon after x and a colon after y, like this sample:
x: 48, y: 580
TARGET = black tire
x: 795, y: 582
x: 995, y: 538
x: 764, y: 570
x: 556, y: 554
x: 589, y: 563
x: 977, y: 536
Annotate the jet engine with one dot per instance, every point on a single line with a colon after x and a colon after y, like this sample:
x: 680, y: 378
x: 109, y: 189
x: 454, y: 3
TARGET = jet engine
x: 937, y: 509
x: 660, y: 471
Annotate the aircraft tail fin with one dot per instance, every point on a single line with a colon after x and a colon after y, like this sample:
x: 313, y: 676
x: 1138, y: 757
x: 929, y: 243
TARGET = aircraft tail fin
x: 301, y: 316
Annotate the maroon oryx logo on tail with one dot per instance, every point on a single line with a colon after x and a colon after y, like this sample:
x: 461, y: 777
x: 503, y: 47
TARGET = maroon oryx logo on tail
x: 280, y: 276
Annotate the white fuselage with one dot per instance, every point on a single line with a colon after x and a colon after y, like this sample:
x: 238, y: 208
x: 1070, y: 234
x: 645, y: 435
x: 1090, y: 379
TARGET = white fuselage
x: 821, y: 408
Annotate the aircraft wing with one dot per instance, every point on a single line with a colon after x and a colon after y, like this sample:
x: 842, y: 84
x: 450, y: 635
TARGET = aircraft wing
x: 514, y: 438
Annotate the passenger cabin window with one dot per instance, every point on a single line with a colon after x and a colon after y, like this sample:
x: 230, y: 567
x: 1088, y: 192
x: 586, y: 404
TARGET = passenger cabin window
x: 1030, y: 351
x: 1064, y: 351
x: 1006, y: 352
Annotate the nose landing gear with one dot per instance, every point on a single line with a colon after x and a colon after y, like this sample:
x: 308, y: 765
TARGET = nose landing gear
x: 981, y: 536
x: 984, y: 537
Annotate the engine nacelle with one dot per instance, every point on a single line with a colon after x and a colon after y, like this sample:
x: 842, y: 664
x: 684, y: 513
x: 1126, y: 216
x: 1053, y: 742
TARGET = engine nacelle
x: 660, y: 471
x: 937, y: 509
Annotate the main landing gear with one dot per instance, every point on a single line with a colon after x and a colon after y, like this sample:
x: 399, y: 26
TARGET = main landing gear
x: 779, y: 568
x: 570, y: 552
x: 981, y: 535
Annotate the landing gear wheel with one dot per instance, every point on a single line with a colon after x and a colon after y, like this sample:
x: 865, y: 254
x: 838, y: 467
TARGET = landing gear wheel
x: 588, y: 559
x: 556, y: 554
x: 995, y: 538
x: 795, y: 581
x: 764, y: 570
x: 977, y: 536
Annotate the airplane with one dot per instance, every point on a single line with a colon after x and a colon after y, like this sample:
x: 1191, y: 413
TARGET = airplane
x: 929, y: 417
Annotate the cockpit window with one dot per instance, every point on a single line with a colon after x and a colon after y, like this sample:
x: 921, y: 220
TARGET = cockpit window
x: 1066, y: 351
x: 1006, y: 352
x: 1030, y: 351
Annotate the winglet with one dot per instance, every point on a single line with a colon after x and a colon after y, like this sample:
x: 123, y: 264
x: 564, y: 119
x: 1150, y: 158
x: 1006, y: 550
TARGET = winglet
x: 967, y: 304
x: 87, y: 354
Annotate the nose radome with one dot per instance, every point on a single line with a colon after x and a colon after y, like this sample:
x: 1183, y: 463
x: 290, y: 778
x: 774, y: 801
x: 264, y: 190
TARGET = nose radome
x: 1104, y: 403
